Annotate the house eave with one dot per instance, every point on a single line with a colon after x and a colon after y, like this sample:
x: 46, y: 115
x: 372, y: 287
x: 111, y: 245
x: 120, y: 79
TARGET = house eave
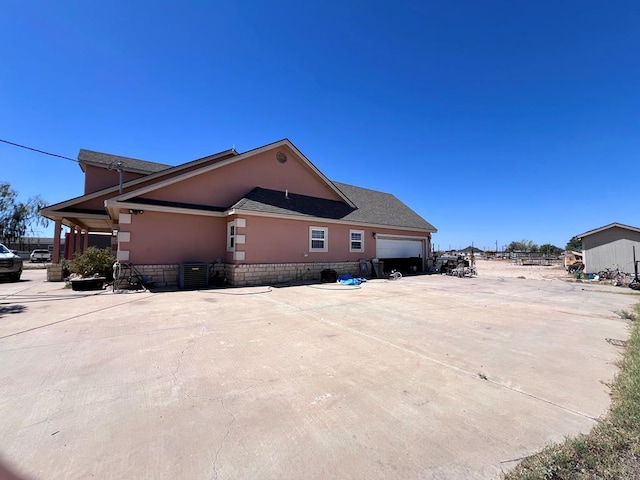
x: 90, y: 222
x: 114, y: 206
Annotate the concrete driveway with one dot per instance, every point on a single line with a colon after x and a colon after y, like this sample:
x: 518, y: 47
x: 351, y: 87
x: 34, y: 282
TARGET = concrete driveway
x: 427, y: 377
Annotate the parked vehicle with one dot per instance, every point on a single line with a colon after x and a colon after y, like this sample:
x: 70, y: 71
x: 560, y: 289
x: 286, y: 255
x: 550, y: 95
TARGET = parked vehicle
x: 40, y: 255
x: 10, y: 264
x: 448, y: 263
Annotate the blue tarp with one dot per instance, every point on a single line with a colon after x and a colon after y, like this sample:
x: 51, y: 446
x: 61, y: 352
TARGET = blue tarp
x: 347, y: 279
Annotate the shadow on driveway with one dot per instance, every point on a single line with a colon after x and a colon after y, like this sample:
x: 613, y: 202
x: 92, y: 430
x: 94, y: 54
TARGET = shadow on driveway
x: 11, y: 309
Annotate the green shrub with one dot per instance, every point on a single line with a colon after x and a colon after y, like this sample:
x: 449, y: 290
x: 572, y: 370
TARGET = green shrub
x: 93, y: 262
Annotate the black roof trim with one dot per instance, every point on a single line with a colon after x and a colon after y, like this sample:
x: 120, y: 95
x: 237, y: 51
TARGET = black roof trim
x: 163, y: 203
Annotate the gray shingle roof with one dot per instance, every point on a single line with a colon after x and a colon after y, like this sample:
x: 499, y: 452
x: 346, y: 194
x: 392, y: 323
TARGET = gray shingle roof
x: 373, y: 207
x: 273, y: 201
x: 107, y: 160
x: 382, y: 208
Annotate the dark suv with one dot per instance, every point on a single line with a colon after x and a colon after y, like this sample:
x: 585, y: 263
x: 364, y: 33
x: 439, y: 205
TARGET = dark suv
x: 10, y: 264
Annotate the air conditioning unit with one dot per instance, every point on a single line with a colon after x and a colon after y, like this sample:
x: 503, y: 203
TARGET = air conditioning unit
x: 192, y: 276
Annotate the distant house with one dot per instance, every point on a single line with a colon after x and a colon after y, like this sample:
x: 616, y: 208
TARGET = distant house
x: 470, y: 249
x: 266, y: 215
x: 608, y: 246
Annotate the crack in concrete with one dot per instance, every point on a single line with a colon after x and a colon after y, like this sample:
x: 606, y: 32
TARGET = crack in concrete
x: 214, y: 464
x: 174, y: 374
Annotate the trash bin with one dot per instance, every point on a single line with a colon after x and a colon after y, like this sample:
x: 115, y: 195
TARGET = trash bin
x: 378, y: 267
x: 328, y: 276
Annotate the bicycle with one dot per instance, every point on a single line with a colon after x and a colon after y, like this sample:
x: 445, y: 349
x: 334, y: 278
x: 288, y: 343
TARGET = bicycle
x: 608, y: 274
x: 127, y: 274
x: 395, y: 275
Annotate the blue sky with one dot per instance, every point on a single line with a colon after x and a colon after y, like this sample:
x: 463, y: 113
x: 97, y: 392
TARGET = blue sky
x: 494, y: 120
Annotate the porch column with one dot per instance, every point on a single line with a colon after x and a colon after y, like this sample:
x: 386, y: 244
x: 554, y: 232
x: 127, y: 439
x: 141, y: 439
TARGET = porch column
x: 71, y: 239
x: 77, y: 241
x: 56, y: 241
x: 86, y: 241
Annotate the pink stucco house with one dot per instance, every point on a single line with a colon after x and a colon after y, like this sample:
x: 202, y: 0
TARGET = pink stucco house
x: 266, y: 215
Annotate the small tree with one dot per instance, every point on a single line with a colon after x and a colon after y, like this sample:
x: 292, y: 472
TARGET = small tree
x: 17, y: 218
x: 93, y: 261
x: 522, y: 246
x: 574, y: 243
x: 549, y: 249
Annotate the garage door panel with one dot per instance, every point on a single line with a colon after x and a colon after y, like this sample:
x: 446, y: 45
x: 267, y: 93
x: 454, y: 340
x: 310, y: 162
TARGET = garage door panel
x: 398, y: 248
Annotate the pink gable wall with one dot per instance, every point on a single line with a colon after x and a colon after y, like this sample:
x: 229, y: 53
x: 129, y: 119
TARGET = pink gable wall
x: 224, y: 186
x: 165, y: 238
x: 96, y: 178
x: 94, y: 203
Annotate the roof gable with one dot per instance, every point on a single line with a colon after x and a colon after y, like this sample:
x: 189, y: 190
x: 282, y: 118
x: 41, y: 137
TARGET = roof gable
x: 153, y: 177
x: 471, y: 249
x: 180, y: 177
x: 607, y: 227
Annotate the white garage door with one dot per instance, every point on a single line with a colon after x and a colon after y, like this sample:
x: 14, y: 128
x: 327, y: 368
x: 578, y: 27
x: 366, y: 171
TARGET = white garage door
x: 398, y: 248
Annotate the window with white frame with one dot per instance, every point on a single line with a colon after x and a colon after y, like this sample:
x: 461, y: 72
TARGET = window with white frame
x: 231, y: 236
x: 318, y: 239
x: 356, y: 240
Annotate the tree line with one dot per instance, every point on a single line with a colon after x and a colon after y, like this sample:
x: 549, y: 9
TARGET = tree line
x: 530, y: 246
x: 17, y: 218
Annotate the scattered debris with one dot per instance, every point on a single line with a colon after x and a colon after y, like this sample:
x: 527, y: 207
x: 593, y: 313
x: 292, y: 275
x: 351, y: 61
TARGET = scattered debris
x: 627, y: 315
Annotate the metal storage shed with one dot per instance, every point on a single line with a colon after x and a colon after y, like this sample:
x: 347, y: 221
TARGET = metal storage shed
x: 608, y: 246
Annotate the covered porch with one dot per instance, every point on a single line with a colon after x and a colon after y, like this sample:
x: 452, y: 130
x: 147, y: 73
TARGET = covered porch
x: 79, y: 224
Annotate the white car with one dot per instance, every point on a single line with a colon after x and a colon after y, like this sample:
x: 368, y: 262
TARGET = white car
x: 10, y: 264
x: 40, y: 255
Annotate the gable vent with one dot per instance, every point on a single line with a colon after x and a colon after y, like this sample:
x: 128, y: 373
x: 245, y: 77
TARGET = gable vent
x: 192, y: 276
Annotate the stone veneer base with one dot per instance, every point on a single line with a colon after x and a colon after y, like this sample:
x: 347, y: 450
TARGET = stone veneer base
x: 166, y: 276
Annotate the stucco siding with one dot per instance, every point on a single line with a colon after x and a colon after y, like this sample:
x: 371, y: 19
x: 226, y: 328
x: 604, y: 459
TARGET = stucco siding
x: 93, y: 203
x: 97, y: 178
x: 227, y: 184
x: 273, y: 240
x: 609, y: 248
x: 167, y: 238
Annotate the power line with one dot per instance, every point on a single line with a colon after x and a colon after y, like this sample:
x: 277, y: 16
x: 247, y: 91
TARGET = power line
x: 39, y: 151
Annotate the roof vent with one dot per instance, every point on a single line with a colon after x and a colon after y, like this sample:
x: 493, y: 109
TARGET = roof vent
x: 281, y: 157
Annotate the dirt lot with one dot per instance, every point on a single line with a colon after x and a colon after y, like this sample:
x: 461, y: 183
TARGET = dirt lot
x: 508, y: 269
x: 426, y: 377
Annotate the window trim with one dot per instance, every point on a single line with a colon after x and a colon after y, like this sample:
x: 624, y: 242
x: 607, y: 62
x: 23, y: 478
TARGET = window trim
x: 231, y: 236
x: 356, y: 250
x: 325, y: 240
